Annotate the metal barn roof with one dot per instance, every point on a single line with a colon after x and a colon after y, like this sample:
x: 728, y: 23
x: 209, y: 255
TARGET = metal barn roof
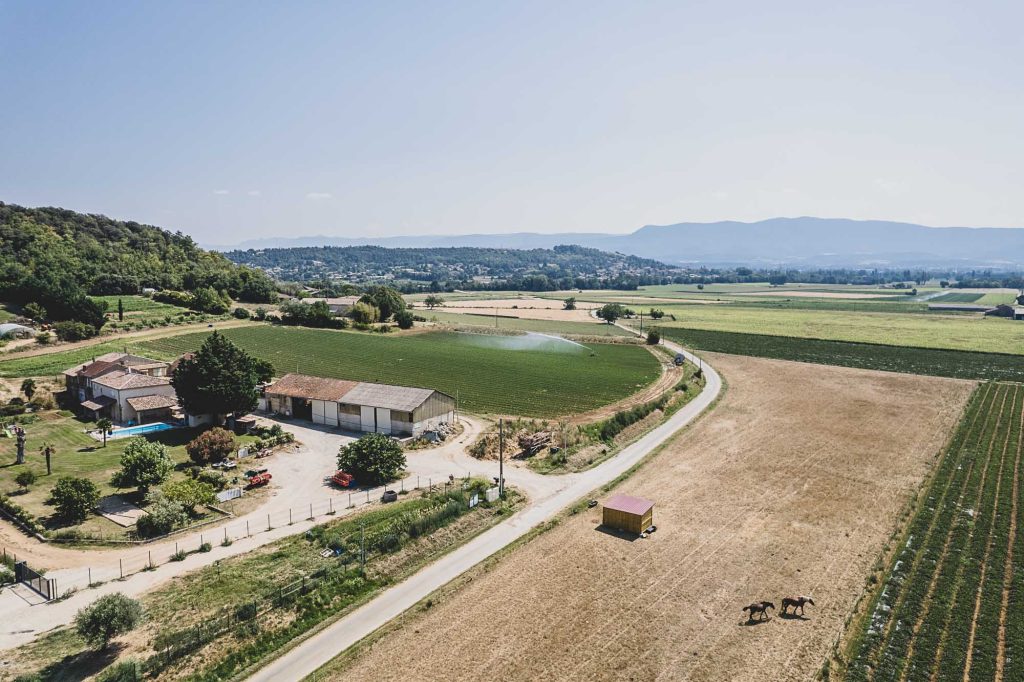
x: 402, y: 398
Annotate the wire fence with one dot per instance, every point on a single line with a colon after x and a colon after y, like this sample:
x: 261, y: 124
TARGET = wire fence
x: 72, y: 580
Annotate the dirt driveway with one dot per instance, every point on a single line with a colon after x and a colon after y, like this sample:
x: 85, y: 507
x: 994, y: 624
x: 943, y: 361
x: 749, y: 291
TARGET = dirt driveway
x: 792, y: 485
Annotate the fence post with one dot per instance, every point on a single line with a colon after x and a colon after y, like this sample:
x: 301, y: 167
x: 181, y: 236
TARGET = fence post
x: 268, y: 522
x: 417, y: 483
x: 289, y: 516
x: 120, y: 562
x: 311, y: 512
x: 151, y: 558
x: 330, y: 505
x: 225, y: 534
x: 403, y: 485
x: 175, y: 548
x: 367, y: 494
x: 350, y: 500
x: 90, y: 576
x: 247, y: 533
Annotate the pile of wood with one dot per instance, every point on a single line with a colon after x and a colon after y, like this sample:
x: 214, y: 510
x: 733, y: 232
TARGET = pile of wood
x: 532, y: 443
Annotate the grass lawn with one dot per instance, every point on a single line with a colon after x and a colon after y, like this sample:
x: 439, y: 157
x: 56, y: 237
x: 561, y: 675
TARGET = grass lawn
x: 487, y: 373
x: 959, y: 332
x: 79, y: 455
x: 519, y: 324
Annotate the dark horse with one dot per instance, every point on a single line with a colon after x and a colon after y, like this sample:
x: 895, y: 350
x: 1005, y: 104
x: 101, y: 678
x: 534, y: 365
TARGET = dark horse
x: 759, y: 607
x: 796, y: 603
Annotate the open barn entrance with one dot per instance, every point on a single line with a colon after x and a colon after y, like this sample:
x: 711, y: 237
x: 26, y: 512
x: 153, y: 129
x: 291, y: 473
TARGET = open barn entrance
x: 302, y: 409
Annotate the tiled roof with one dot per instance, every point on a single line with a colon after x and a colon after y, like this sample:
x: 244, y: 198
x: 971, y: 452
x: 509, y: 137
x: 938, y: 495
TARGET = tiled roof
x: 98, y: 368
x: 629, y: 504
x: 404, y: 398
x: 152, y: 402
x: 98, y: 403
x: 315, y: 388
x: 123, y: 380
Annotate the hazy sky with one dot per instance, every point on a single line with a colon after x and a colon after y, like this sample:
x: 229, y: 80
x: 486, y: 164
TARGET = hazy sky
x: 238, y: 120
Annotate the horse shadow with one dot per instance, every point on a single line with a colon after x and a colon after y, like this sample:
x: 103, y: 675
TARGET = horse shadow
x: 793, y: 616
x: 757, y: 621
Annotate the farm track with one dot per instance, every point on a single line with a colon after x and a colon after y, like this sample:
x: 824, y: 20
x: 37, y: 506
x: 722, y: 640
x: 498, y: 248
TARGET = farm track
x: 950, y: 617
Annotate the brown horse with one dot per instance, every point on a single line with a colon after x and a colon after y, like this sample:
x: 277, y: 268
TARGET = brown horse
x: 760, y: 608
x: 796, y: 603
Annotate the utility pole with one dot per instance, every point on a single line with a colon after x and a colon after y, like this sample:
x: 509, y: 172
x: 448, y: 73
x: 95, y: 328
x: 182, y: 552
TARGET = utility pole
x: 641, y: 320
x: 501, y: 458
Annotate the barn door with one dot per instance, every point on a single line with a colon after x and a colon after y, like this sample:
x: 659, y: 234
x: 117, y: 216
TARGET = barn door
x: 367, y: 418
x: 383, y: 420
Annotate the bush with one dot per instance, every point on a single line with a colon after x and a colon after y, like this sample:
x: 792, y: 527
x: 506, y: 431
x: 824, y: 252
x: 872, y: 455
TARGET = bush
x: 205, y: 547
x: 74, y: 331
x: 161, y: 517
x: 214, y: 479
x: 143, y: 464
x: 26, y: 478
x: 653, y: 337
x: 260, y: 314
x: 373, y: 459
x: 107, y: 617
x: 129, y: 670
x: 211, y: 446
x: 189, y: 493
x: 74, y: 498
x: 44, y: 338
x: 405, y: 319
x: 241, y: 313
x: 19, y: 513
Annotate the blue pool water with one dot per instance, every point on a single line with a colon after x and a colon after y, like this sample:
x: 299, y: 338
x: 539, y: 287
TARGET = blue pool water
x: 141, y: 429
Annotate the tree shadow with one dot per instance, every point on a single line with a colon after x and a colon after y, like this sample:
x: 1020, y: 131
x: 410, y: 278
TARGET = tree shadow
x: 80, y: 666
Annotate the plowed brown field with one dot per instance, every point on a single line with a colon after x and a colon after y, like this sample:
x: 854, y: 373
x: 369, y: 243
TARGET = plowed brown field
x: 791, y: 485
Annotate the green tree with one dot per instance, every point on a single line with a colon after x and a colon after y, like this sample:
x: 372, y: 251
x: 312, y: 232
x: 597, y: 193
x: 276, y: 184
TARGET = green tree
x: 189, y: 493
x: 162, y: 516
x: 219, y: 379
x: 260, y: 314
x: 107, y: 617
x: 569, y: 303
x: 34, y: 311
x: 241, y: 314
x: 28, y: 387
x: 213, y: 445
x: 610, y: 312
x: 404, y: 318
x: 26, y: 478
x: 208, y: 300
x: 74, y: 498
x: 69, y: 330
x: 373, y: 459
x: 105, y: 426
x: 364, y: 313
x: 143, y: 464
x: 433, y: 301
x: 653, y: 337
x: 386, y: 299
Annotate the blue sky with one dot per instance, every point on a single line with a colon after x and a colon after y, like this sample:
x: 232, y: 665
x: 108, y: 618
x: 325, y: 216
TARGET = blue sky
x: 240, y: 120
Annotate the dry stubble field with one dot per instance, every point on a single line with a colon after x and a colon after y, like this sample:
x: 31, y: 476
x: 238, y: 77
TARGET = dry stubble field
x: 792, y: 485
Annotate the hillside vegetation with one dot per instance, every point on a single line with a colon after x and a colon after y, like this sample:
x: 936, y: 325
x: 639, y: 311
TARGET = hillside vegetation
x: 56, y: 258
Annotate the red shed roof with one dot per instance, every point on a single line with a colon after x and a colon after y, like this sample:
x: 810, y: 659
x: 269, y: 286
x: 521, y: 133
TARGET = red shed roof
x: 629, y: 504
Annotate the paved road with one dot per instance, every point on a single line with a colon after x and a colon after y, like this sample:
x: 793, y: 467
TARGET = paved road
x: 319, y: 649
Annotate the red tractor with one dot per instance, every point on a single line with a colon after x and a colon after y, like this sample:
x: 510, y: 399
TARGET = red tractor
x: 342, y: 479
x: 259, y: 479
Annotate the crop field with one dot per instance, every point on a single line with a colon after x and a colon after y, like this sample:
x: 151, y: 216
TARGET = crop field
x: 487, y: 374
x: 792, y: 484
x: 138, y: 304
x: 931, y: 361
x: 948, y: 607
x: 957, y: 298
x: 525, y: 324
x: 957, y: 332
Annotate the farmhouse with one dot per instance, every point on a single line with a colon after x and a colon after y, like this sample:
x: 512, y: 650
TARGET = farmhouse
x: 628, y: 513
x: 128, y: 389
x: 360, y: 406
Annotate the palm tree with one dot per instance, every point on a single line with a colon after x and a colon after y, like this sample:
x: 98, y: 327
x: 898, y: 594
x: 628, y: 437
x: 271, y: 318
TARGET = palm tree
x: 48, y: 451
x: 104, y: 425
x: 28, y: 387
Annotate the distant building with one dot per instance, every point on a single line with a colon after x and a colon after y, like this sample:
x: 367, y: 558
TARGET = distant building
x: 339, y: 305
x: 360, y: 406
x: 125, y: 388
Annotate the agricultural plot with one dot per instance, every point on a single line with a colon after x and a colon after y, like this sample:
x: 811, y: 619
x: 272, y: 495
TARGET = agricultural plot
x: 486, y: 373
x: 931, y: 361
x: 957, y: 298
x: 796, y: 493
x: 947, y: 609
x: 523, y: 324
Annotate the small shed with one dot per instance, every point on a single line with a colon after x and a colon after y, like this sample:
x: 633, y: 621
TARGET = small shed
x: 628, y: 513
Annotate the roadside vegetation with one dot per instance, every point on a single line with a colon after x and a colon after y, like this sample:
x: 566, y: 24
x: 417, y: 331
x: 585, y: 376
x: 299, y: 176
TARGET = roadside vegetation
x: 219, y: 620
x: 945, y: 607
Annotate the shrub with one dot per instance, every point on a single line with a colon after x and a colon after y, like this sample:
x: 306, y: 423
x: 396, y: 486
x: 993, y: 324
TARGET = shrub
x: 107, y: 617
x: 241, y: 313
x: 26, y: 478
x: 74, y: 498
x: 70, y: 330
x: 364, y: 313
x: 653, y: 337
x: 129, y: 670
x: 260, y: 314
x: 373, y: 459
x: 205, y: 547
x: 161, y: 517
x: 404, y: 318
x: 211, y: 446
x: 143, y: 464
x: 44, y: 338
x: 189, y: 493
x: 214, y: 479
x: 19, y: 513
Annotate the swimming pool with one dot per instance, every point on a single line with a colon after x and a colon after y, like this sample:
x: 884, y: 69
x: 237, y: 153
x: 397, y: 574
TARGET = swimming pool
x: 140, y: 429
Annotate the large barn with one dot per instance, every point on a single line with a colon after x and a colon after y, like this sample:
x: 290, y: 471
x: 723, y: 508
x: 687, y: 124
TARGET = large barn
x: 360, y: 406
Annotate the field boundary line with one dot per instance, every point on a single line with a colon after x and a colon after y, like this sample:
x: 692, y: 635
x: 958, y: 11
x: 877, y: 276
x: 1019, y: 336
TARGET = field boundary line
x: 927, y: 603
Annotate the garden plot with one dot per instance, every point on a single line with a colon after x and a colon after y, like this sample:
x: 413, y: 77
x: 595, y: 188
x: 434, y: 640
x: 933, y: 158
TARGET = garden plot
x: 792, y: 485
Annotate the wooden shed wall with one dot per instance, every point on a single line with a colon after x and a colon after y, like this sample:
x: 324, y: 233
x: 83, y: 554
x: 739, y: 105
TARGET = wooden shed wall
x: 631, y: 523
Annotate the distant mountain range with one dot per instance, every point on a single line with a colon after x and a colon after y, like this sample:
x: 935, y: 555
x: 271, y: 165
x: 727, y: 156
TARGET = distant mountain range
x: 791, y: 242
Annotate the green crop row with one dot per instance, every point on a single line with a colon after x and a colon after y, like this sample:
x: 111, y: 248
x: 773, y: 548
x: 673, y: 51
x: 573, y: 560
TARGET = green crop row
x: 907, y: 359
x: 923, y: 623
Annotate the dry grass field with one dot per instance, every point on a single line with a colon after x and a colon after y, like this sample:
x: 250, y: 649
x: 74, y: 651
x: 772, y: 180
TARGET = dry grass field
x: 793, y: 484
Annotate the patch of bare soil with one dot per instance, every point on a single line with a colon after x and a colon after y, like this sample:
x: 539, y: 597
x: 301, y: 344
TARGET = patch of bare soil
x: 792, y: 485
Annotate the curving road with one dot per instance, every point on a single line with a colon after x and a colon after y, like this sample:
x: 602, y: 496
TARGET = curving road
x: 313, y: 653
